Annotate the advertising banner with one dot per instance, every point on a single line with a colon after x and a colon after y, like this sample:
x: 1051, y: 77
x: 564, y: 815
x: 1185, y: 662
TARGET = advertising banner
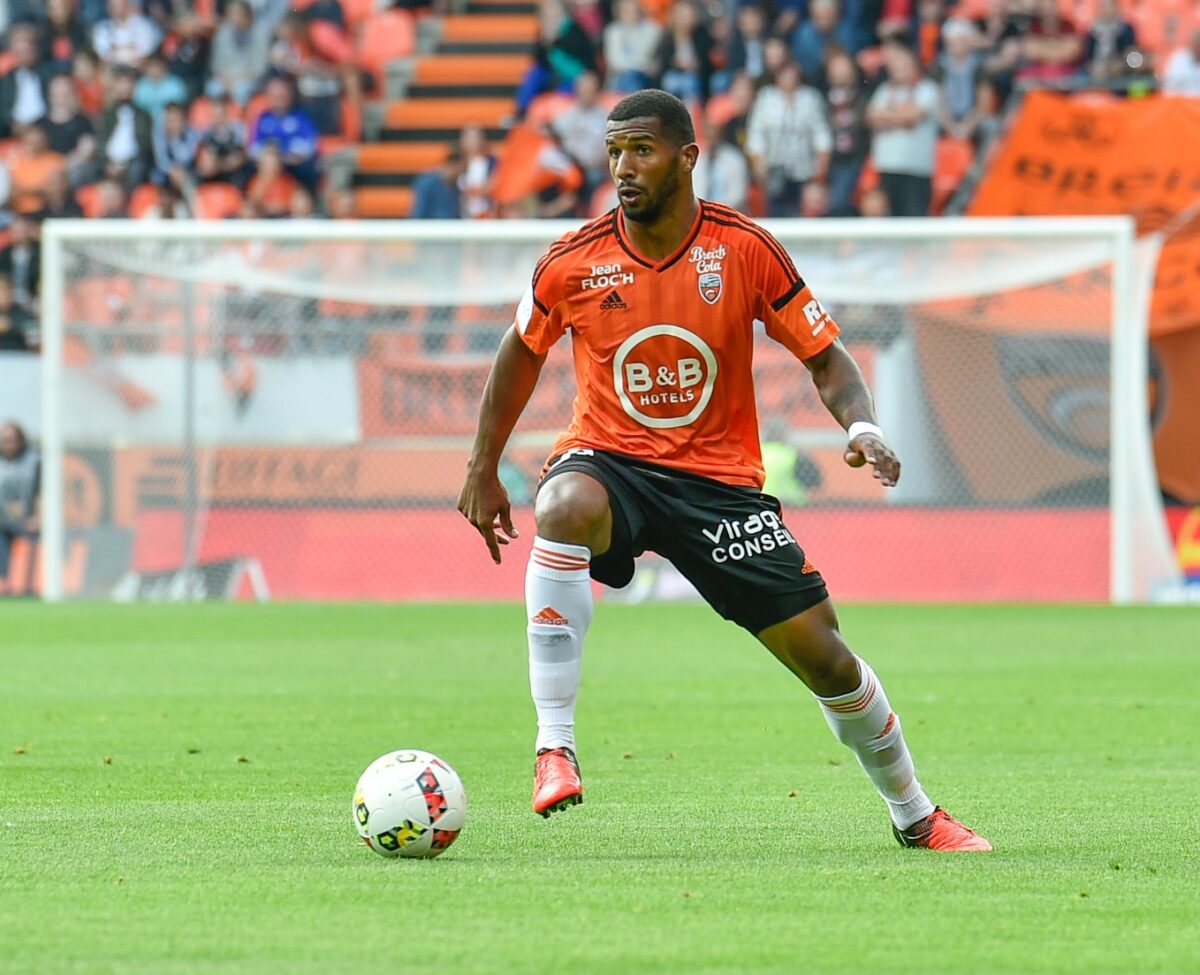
x: 1098, y: 155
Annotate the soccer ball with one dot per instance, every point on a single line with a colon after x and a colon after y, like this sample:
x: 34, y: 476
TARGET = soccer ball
x: 409, y: 804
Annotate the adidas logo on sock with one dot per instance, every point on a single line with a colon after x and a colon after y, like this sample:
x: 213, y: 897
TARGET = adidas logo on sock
x: 550, y: 616
x: 613, y: 301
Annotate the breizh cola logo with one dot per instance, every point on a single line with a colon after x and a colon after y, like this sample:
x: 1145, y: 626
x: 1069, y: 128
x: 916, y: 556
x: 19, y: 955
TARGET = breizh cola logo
x: 664, y: 376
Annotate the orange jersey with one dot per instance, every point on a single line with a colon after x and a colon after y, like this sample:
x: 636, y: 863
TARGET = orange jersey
x: 663, y: 349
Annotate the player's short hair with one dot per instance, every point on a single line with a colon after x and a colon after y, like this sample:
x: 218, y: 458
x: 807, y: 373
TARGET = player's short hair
x: 674, y: 119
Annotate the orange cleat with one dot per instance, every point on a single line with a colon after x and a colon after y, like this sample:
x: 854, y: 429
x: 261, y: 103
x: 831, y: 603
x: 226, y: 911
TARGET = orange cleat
x: 941, y: 831
x: 556, y: 782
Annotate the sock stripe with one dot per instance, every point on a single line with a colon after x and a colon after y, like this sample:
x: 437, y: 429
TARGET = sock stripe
x: 556, y: 560
x: 860, y: 703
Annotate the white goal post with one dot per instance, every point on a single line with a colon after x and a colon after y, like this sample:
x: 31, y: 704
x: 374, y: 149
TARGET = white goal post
x: 227, y: 352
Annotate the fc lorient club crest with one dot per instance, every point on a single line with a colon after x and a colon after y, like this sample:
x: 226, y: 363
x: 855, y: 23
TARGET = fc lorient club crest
x: 710, y: 287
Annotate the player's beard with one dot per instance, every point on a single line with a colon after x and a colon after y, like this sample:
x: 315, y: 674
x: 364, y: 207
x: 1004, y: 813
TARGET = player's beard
x: 653, y: 206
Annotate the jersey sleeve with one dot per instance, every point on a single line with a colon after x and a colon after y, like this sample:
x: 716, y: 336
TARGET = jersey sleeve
x: 791, y: 313
x: 541, y: 314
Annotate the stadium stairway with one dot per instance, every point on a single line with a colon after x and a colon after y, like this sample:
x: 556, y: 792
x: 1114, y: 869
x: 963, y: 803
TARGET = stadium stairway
x: 465, y: 70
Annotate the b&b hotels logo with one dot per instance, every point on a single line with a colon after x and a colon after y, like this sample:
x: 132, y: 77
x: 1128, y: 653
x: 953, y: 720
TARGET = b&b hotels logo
x: 664, y: 376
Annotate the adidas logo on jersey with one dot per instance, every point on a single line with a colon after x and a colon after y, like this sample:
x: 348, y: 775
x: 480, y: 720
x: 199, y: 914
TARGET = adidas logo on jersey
x: 613, y: 301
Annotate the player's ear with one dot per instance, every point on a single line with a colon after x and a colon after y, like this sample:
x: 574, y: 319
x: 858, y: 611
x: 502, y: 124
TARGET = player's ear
x: 688, y: 156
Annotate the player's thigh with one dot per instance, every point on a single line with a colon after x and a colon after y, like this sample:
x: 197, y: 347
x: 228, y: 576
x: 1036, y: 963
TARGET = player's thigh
x: 573, y: 506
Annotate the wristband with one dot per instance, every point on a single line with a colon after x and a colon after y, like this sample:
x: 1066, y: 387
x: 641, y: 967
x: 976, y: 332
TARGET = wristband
x: 859, y: 427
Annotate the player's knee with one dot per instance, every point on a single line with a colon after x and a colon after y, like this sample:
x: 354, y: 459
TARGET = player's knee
x: 832, y: 669
x: 574, y: 508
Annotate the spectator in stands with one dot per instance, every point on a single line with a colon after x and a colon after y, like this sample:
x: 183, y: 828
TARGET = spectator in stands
x: 999, y: 35
x: 1052, y: 48
x: 187, y: 49
x: 20, y: 485
x: 290, y: 129
x: 318, y: 78
x: 68, y: 130
x: 156, y: 89
x: 435, y: 193
x: 745, y: 49
x: 580, y: 131
x: 23, y: 89
x: 63, y: 35
x: 814, y: 201
x: 125, y: 134
x: 239, y: 54
x: 562, y: 53
x: 21, y: 262
x: 16, y: 325
x: 788, y: 141
x: 29, y: 169
x: 175, y: 146
x: 958, y: 65
x: 722, y: 173
x: 1182, y: 73
x: 479, y: 166
x: 126, y: 38
x: 776, y: 53
x: 111, y: 200
x: 928, y: 31
x: 874, y: 203
x: 1108, y: 40
x: 221, y: 156
x: 685, y: 54
x: 5, y: 187
x: 741, y: 102
x: 341, y: 205
x: 812, y: 40
x: 60, y: 202
x: 89, y: 82
x: 847, y: 107
x: 170, y: 204
x: 630, y: 46
x: 302, y: 206
x: 902, y: 113
x: 269, y: 191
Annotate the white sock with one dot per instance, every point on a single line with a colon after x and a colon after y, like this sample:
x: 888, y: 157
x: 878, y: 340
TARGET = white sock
x: 864, y: 721
x: 558, y: 598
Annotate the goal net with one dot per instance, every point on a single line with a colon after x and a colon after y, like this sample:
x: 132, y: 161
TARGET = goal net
x: 284, y: 410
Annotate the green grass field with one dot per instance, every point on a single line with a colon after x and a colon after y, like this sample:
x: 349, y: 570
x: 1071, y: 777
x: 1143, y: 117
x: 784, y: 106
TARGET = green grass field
x: 175, y: 789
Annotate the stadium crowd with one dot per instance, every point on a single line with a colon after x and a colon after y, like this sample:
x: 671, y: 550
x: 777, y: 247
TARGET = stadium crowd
x: 182, y: 108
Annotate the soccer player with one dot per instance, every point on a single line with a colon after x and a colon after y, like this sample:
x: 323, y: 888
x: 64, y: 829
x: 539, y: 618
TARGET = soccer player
x: 662, y: 297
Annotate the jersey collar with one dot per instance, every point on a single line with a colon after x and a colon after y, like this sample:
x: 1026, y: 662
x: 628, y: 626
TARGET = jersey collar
x: 666, y: 262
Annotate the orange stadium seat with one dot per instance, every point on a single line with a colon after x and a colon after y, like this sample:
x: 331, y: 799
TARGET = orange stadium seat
x: 254, y: 108
x: 383, y: 201
x: 489, y: 28
x: 442, y: 113
x: 217, y: 201
x: 473, y: 69
x: 400, y: 157
x: 358, y: 11
x: 387, y: 36
x: 546, y: 108
x: 142, y: 199
x: 954, y: 158
x: 89, y: 200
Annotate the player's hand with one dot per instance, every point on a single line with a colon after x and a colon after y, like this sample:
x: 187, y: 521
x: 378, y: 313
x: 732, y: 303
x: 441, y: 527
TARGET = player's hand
x: 867, y: 448
x: 484, y: 503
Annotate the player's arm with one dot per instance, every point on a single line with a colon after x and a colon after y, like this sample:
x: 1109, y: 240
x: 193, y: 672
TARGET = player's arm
x: 483, y: 500
x: 845, y: 394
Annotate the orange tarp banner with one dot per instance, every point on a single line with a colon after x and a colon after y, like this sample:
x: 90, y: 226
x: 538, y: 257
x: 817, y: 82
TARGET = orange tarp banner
x: 1088, y: 155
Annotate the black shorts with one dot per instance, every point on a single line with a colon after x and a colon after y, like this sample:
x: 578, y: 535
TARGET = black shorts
x: 727, y: 541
